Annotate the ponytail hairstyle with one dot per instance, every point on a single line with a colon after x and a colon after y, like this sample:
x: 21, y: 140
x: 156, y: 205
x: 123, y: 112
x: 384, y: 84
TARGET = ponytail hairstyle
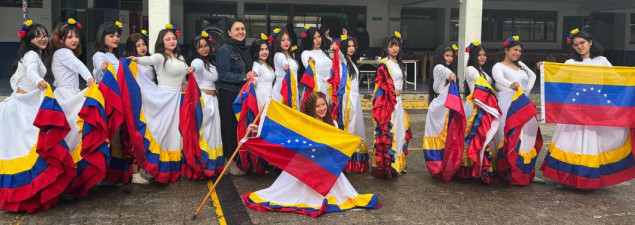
x: 353, y: 60
x: 596, y: 48
x: 30, y: 32
x: 60, y: 32
x: 105, y: 29
x: 311, y: 102
x: 208, y: 60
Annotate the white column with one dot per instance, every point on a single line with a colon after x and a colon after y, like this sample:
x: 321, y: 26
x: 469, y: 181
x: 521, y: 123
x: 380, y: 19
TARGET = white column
x: 158, y: 17
x: 470, y: 20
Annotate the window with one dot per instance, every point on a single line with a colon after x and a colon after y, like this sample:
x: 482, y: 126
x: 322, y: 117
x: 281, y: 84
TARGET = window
x: 18, y: 3
x: 536, y: 26
x: 632, y: 28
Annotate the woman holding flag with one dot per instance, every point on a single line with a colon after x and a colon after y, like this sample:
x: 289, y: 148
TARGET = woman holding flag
x: 262, y: 66
x: 305, y: 199
x: 351, y: 106
x: 315, y: 51
x: 518, y: 140
x: 392, y: 124
x: 107, y: 47
x: 442, y: 73
x: 602, y: 155
x: 201, y: 58
x: 285, y: 89
x: 25, y: 118
x: 137, y: 45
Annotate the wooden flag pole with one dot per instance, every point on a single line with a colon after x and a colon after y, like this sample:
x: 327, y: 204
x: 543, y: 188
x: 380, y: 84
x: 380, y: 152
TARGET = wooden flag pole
x: 211, y: 190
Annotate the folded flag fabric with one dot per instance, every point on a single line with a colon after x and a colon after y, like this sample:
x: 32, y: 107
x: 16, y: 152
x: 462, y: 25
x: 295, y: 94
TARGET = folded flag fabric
x: 443, y: 140
x: 334, y: 83
x: 289, y: 90
x: 246, y: 109
x: 309, y: 79
x: 190, y: 120
x: 119, y: 168
x: 310, y: 150
x: 588, y: 95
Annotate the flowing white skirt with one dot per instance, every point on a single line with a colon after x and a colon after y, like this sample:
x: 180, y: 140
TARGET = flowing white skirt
x: 71, y: 100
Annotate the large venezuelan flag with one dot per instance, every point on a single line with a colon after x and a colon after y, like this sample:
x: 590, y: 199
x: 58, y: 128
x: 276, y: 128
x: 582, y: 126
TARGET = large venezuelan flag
x: 93, y: 153
x: 32, y: 183
x: 312, y: 151
x: 588, y: 95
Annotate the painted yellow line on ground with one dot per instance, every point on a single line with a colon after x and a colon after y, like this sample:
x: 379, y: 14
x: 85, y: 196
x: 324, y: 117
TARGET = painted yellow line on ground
x: 367, y: 104
x: 216, y: 202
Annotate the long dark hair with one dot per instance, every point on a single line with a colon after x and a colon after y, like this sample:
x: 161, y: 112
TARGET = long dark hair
x: 502, y: 54
x: 25, y: 44
x: 255, y: 51
x: 311, y: 102
x: 57, y: 41
x: 390, y: 41
x: 473, y: 61
x: 193, y: 53
x: 277, y: 43
x: 596, y: 47
x: 439, y: 59
x: 353, y: 60
x: 107, y: 28
x: 323, y: 30
x: 131, y: 44
x: 307, y: 43
x: 159, y: 47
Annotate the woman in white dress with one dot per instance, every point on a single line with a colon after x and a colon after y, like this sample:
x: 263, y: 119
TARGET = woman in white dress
x: 46, y: 176
x: 262, y: 66
x: 392, y: 124
x: 137, y: 45
x: 202, y: 59
x: 442, y: 73
x: 284, y: 61
x: 351, y: 107
x: 475, y: 63
x: 160, y: 105
x: 304, y: 199
x: 510, y: 73
x: 107, y: 47
x: 595, y: 144
x: 316, y: 50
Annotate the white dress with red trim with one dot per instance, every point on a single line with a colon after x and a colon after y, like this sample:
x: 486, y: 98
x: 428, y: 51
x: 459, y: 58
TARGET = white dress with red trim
x: 590, y: 157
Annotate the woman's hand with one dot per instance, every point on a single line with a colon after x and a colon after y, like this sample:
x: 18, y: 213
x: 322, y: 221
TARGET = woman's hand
x: 190, y: 69
x: 90, y: 82
x: 42, y: 85
x: 252, y: 128
x: 397, y: 93
x: 104, y: 66
x: 183, y: 87
x: 310, y: 60
x: 538, y: 64
x: 452, y: 77
x: 286, y: 66
x: 251, y: 74
x: 134, y: 59
x: 333, y: 47
x: 514, y: 86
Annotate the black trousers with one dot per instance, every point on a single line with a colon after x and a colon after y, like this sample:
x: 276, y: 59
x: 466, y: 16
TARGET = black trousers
x: 228, y: 121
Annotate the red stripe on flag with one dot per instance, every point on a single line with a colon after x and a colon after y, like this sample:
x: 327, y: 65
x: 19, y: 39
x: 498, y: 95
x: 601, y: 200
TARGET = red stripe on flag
x: 590, y: 115
x: 307, y: 171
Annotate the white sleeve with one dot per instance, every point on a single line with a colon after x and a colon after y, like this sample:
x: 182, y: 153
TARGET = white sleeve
x: 605, y: 61
x: 280, y: 60
x: 32, y: 62
x: 532, y: 78
x: 499, y: 76
x: 72, y: 63
x: 198, y: 65
x: 471, y: 74
x: 98, y: 59
x: 305, y: 59
x: 155, y: 60
x: 440, y: 74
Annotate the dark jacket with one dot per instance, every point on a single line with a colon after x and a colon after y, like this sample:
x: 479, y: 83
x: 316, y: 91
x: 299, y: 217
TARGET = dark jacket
x: 231, y: 68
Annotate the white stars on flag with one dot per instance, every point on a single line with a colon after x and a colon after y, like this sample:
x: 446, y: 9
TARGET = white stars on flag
x: 589, y: 95
x: 573, y: 99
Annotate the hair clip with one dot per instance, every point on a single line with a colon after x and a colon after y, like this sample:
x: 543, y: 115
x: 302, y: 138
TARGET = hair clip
x: 510, y: 40
x: 398, y: 36
x: 119, y: 26
x: 455, y: 50
x: 273, y: 35
x: 343, y: 37
x: 570, y: 37
x: 24, y: 28
x: 293, y: 48
x: 177, y: 32
x: 145, y: 33
x: 305, y: 31
x: 472, y: 45
x: 207, y: 36
x: 263, y: 36
x: 72, y: 21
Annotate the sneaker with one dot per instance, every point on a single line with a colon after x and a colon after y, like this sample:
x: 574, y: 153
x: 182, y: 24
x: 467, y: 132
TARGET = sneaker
x: 234, y: 170
x: 538, y: 180
x: 138, y: 179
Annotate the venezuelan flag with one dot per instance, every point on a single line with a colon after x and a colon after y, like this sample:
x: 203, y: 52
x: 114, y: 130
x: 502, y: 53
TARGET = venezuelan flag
x: 589, y: 95
x: 520, y: 126
x: 289, y: 90
x: 33, y: 182
x: 118, y: 170
x: 334, y: 84
x: 163, y: 165
x: 309, y: 149
x: 309, y: 79
x: 443, y: 145
x: 93, y: 153
x: 246, y: 109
